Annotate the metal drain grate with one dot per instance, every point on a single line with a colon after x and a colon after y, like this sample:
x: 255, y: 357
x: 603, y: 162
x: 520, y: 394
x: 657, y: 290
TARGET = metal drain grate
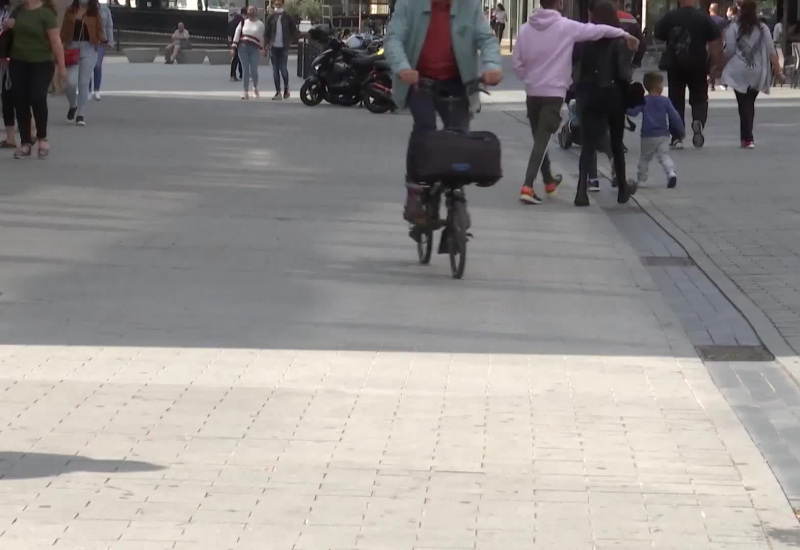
x: 667, y: 261
x: 734, y: 353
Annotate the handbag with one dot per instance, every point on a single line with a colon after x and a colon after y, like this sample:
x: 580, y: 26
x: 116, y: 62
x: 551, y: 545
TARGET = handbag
x: 72, y: 56
x: 453, y: 156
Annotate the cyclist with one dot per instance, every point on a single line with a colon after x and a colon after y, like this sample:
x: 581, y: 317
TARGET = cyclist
x: 421, y: 42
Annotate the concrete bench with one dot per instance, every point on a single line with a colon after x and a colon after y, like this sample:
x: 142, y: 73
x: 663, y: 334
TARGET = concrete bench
x: 141, y: 55
x: 219, y: 57
x: 191, y: 57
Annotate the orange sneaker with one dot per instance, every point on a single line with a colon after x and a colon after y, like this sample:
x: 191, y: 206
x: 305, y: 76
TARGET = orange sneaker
x: 550, y: 187
x: 528, y: 196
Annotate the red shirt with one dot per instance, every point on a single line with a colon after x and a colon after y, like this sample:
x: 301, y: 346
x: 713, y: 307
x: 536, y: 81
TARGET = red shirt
x: 436, y: 60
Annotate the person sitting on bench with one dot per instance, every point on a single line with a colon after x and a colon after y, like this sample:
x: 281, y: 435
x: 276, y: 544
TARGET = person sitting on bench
x: 180, y: 39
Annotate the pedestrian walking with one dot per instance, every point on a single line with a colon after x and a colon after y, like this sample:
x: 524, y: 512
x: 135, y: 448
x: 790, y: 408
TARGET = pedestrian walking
x: 500, y: 18
x: 6, y: 96
x: 605, y: 71
x: 281, y: 31
x: 236, y: 63
x: 660, y: 121
x: 35, y: 53
x: 721, y: 23
x: 108, y: 29
x: 690, y: 35
x: 543, y: 61
x: 749, y: 52
x: 249, y: 42
x: 82, y: 34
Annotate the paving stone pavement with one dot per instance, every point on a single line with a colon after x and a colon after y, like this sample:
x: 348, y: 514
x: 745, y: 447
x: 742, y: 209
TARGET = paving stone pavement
x: 215, y: 335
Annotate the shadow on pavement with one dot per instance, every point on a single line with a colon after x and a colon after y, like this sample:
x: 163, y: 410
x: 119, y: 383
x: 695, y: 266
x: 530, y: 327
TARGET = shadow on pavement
x: 35, y: 465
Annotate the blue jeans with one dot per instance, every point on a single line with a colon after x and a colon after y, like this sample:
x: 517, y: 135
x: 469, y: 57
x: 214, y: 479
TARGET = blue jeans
x: 98, y: 69
x: 280, y: 58
x: 80, y: 76
x: 248, y: 55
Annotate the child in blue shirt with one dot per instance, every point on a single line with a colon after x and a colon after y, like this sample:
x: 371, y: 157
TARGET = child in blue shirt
x: 660, y: 121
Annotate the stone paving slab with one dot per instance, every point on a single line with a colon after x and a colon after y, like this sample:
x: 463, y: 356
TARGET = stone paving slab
x: 231, y: 346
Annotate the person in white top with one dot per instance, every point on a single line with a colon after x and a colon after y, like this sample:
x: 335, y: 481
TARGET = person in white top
x: 249, y: 39
x: 180, y: 38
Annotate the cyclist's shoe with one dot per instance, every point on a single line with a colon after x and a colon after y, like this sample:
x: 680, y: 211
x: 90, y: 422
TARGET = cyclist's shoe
x: 528, y: 196
x: 550, y: 187
x: 414, y: 211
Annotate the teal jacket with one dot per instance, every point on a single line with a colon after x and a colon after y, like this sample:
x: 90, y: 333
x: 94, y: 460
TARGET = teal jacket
x: 471, y: 35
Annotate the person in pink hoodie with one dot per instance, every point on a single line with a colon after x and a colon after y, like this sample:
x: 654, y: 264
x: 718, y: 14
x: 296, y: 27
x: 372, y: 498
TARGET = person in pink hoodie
x: 543, y: 62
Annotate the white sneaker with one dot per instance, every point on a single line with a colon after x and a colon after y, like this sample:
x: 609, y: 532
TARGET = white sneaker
x: 96, y: 96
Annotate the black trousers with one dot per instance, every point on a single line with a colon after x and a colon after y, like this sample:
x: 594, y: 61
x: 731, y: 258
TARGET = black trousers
x: 696, y: 79
x: 236, y: 64
x: 602, y: 110
x: 7, y: 98
x: 30, y: 83
x: 747, y: 113
x: 499, y: 29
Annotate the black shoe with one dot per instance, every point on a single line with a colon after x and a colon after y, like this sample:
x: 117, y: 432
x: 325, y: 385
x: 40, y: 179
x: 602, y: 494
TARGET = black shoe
x: 676, y: 144
x: 286, y: 93
x: 672, y: 181
x: 594, y: 186
x: 80, y: 121
x: 581, y: 196
x: 277, y: 96
x: 698, y: 140
x: 71, y: 113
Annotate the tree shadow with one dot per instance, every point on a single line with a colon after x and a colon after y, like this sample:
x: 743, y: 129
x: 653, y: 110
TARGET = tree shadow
x: 35, y: 465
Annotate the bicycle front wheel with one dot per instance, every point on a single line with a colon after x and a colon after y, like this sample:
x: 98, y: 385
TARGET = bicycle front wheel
x: 457, y: 239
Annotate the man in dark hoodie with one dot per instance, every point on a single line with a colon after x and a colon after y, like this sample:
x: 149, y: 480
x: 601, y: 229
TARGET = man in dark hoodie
x: 632, y: 26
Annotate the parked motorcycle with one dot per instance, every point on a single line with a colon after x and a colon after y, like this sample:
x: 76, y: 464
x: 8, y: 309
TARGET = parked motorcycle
x: 340, y: 74
x: 378, y: 89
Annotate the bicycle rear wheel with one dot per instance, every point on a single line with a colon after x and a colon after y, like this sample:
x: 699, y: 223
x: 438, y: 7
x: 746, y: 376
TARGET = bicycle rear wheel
x: 425, y: 246
x: 457, y: 239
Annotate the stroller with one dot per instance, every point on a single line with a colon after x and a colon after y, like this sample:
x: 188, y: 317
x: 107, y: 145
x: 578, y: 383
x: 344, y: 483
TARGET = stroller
x: 570, y: 133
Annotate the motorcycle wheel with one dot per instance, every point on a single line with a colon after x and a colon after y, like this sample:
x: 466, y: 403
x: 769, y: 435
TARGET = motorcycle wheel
x: 377, y: 106
x: 311, y: 93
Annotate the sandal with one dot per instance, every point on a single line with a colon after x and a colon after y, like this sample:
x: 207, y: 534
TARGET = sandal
x: 43, y: 151
x: 5, y: 144
x: 23, y: 152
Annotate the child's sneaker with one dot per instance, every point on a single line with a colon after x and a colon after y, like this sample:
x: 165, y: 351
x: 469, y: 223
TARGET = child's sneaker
x: 672, y: 181
x: 594, y: 186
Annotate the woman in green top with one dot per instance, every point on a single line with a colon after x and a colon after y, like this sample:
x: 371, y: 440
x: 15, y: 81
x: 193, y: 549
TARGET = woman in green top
x: 35, y: 51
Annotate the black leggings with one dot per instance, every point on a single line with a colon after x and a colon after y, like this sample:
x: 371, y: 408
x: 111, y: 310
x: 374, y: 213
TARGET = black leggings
x: 7, y: 99
x: 747, y: 113
x: 30, y: 83
x: 602, y: 109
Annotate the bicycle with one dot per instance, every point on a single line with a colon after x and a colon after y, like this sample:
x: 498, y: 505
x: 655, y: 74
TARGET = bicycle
x: 455, y: 226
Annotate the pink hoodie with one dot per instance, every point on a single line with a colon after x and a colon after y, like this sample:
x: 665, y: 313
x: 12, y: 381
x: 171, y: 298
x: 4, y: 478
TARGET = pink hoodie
x: 543, y: 51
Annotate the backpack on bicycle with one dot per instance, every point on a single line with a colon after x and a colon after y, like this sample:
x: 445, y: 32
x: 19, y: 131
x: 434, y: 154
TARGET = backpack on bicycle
x: 453, y: 156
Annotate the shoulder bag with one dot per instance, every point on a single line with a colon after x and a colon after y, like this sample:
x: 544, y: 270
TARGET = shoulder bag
x: 72, y: 56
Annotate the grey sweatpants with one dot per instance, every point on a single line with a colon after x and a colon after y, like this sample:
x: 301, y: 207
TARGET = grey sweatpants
x: 654, y: 147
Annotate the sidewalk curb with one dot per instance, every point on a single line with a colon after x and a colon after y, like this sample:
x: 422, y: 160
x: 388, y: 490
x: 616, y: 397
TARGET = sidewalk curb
x: 763, y: 327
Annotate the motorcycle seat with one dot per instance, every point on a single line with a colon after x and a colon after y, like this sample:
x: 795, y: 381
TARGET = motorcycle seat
x: 382, y: 65
x: 367, y: 61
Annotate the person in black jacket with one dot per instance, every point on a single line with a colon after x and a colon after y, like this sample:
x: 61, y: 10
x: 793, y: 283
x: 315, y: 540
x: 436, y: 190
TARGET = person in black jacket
x: 281, y: 30
x: 604, y: 73
x: 233, y: 24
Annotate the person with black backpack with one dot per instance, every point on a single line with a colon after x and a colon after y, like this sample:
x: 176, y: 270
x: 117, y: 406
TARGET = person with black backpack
x: 690, y: 35
x: 604, y: 74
